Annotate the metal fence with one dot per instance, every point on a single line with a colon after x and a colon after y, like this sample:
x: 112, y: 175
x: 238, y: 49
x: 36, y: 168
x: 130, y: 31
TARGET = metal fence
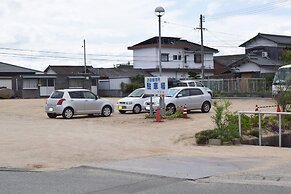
x: 237, y: 86
x: 260, y: 123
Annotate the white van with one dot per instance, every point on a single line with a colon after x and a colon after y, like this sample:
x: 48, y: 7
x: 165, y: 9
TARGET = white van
x: 193, y: 83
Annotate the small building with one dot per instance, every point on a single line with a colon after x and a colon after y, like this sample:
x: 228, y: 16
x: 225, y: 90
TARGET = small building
x: 111, y: 79
x: 20, y: 79
x: 70, y: 77
x: 178, y: 57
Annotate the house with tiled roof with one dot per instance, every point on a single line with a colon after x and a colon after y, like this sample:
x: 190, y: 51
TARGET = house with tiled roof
x: 263, y: 55
x: 101, y: 81
x: 178, y: 57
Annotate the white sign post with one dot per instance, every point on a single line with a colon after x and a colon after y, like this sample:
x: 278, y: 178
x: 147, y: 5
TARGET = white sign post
x: 157, y: 86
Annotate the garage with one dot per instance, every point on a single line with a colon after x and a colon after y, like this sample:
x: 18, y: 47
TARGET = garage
x: 6, y: 82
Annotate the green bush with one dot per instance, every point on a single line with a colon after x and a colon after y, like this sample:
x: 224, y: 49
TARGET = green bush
x: 202, y: 137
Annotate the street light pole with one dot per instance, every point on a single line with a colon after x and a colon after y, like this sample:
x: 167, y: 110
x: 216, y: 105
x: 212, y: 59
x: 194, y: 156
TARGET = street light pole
x: 160, y: 12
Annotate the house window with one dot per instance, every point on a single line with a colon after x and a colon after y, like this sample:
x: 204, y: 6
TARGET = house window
x: 197, y: 58
x: 185, y: 58
x: 164, y: 57
x: 47, y: 82
x: 76, y: 83
x: 104, y: 84
x: 179, y: 57
x: 175, y: 57
x: 30, y: 84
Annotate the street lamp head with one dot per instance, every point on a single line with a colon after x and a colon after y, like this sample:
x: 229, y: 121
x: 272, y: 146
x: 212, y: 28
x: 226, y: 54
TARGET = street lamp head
x: 159, y: 11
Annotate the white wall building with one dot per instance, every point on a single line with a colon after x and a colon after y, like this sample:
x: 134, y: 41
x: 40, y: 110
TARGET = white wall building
x: 178, y: 57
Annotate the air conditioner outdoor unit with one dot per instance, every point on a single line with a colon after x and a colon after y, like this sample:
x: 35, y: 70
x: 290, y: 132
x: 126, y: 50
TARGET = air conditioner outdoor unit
x: 265, y: 54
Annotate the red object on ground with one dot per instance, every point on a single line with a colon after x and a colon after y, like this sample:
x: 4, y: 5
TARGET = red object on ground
x: 278, y: 108
x: 158, y: 115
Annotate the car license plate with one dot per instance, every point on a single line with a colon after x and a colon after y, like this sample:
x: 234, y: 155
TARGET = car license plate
x: 119, y: 107
x: 51, y: 109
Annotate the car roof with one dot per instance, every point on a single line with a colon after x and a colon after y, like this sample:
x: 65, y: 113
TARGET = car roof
x: 72, y: 90
x: 186, y: 87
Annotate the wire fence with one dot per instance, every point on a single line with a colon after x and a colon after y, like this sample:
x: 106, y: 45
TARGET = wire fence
x: 238, y: 86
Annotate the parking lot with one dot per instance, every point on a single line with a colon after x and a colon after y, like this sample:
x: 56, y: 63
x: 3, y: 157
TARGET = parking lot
x: 29, y: 139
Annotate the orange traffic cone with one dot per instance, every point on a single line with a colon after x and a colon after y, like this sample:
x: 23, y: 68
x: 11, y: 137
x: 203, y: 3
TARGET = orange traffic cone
x: 278, y: 108
x: 158, y: 115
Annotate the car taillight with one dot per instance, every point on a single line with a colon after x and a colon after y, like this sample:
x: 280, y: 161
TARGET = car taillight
x: 60, y: 102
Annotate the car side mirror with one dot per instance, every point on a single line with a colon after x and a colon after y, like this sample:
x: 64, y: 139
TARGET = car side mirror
x: 179, y: 95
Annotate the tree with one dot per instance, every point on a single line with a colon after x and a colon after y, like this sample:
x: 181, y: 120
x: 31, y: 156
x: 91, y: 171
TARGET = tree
x: 135, y: 82
x: 193, y: 75
x: 286, y: 57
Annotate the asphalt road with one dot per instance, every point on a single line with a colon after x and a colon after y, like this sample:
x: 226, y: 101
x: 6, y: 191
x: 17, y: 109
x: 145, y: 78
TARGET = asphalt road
x: 89, y: 180
x: 160, y: 174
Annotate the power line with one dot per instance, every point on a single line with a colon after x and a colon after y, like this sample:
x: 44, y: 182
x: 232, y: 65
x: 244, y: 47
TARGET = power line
x: 251, y: 10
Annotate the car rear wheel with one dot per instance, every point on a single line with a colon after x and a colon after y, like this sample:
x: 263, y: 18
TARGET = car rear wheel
x: 136, y: 109
x: 205, y: 107
x: 68, y: 113
x: 52, y: 115
x: 106, y: 111
x: 122, y: 111
x: 171, y: 109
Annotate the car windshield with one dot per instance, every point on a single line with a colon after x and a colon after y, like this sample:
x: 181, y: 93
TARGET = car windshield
x: 136, y: 93
x: 282, y: 76
x: 171, y: 92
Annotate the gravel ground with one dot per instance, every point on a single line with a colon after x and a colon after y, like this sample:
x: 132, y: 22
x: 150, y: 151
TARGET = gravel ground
x: 29, y: 139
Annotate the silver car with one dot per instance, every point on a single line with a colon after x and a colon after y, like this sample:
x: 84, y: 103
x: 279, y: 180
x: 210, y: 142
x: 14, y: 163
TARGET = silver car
x: 70, y: 102
x: 195, y: 98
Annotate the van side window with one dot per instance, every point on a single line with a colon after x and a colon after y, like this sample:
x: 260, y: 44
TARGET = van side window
x: 196, y: 92
x: 199, y: 84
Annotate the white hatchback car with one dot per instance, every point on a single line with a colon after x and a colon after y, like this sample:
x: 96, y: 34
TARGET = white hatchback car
x: 195, y: 98
x: 70, y: 102
x: 133, y: 102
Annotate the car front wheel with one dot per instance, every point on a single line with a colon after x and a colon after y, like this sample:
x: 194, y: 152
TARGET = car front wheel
x: 136, y: 109
x: 171, y: 109
x: 106, y: 111
x: 205, y: 107
x: 68, y: 113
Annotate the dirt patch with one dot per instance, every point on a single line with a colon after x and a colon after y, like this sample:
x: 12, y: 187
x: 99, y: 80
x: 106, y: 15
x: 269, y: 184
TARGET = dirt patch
x: 30, y: 139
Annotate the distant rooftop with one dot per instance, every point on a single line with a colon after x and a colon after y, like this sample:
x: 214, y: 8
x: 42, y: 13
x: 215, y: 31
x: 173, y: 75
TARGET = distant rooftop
x: 171, y: 42
x: 279, y: 39
x: 9, y: 68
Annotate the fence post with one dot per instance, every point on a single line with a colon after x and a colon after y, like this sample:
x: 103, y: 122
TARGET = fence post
x: 260, y: 130
x: 280, y: 131
x: 239, y: 125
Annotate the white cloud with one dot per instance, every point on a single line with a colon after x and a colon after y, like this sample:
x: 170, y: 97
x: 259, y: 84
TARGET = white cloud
x: 110, y: 26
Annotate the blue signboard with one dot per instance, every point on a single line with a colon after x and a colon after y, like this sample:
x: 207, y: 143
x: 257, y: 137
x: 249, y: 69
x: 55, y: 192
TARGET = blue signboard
x: 156, y: 85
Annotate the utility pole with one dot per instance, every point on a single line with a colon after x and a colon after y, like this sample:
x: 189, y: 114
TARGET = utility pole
x: 202, y: 19
x: 85, y: 56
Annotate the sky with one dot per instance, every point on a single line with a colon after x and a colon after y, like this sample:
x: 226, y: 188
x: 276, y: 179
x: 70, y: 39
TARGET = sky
x: 39, y: 33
